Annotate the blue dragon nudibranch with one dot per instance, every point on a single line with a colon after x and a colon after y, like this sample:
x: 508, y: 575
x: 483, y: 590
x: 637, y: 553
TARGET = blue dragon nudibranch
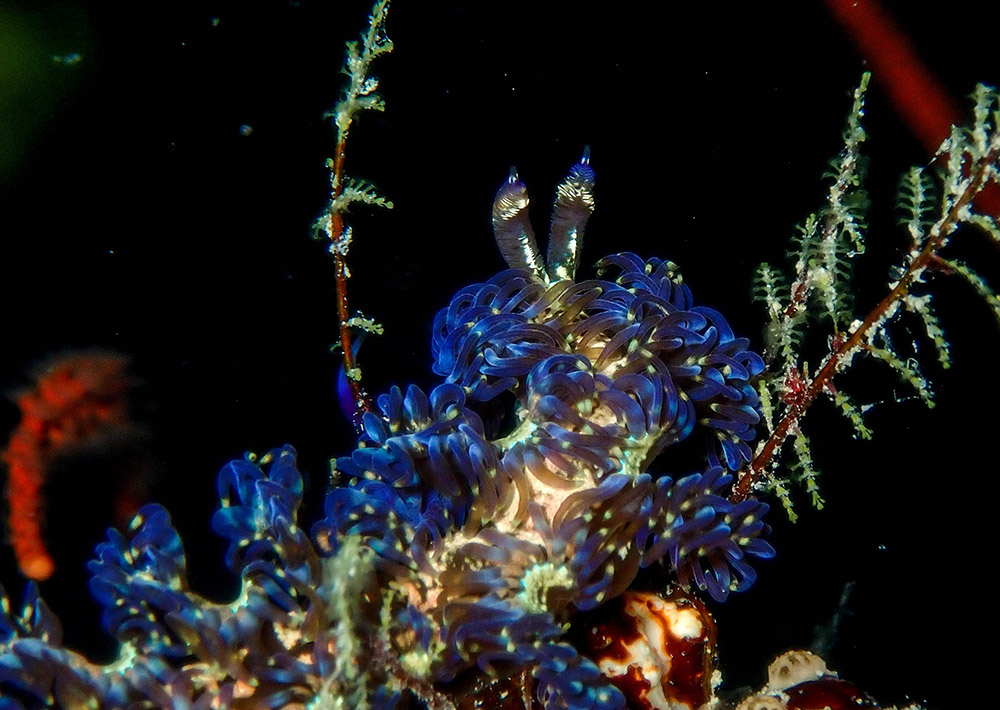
x: 463, y: 537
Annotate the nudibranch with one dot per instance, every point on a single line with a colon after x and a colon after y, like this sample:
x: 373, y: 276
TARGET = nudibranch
x: 471, y: 523
x: 491, y: 529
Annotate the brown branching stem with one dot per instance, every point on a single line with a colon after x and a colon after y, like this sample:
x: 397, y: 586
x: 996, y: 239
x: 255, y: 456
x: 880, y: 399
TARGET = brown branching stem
x: 757, y: 469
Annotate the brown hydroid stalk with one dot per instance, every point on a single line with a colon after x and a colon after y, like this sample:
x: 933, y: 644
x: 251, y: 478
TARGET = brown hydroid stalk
x: 938, y: 238
x: 359, y: 95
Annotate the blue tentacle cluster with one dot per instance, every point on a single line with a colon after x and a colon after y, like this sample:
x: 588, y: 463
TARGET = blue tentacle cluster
x: 179, y: 650
x: 492, y: 537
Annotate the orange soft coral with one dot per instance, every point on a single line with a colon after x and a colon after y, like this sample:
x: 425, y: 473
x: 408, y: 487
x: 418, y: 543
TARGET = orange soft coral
x: 76, y: 396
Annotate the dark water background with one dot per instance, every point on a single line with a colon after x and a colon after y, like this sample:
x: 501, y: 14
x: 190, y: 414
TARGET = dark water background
x: 156, y: 198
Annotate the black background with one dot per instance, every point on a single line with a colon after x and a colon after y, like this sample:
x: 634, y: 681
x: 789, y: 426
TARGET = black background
x: 135, y: 214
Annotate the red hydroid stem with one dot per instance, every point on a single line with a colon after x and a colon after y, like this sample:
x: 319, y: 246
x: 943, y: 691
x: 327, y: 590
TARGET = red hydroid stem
x: 360, y: 398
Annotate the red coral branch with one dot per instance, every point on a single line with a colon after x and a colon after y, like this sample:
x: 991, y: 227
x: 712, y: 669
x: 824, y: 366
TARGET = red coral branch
x: 76, y: 397
x: 360, y: 399
x: 918, y: 98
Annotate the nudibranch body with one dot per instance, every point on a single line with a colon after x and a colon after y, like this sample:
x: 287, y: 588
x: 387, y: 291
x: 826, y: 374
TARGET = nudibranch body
x: 492, y: 531
x: 474, y: 521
